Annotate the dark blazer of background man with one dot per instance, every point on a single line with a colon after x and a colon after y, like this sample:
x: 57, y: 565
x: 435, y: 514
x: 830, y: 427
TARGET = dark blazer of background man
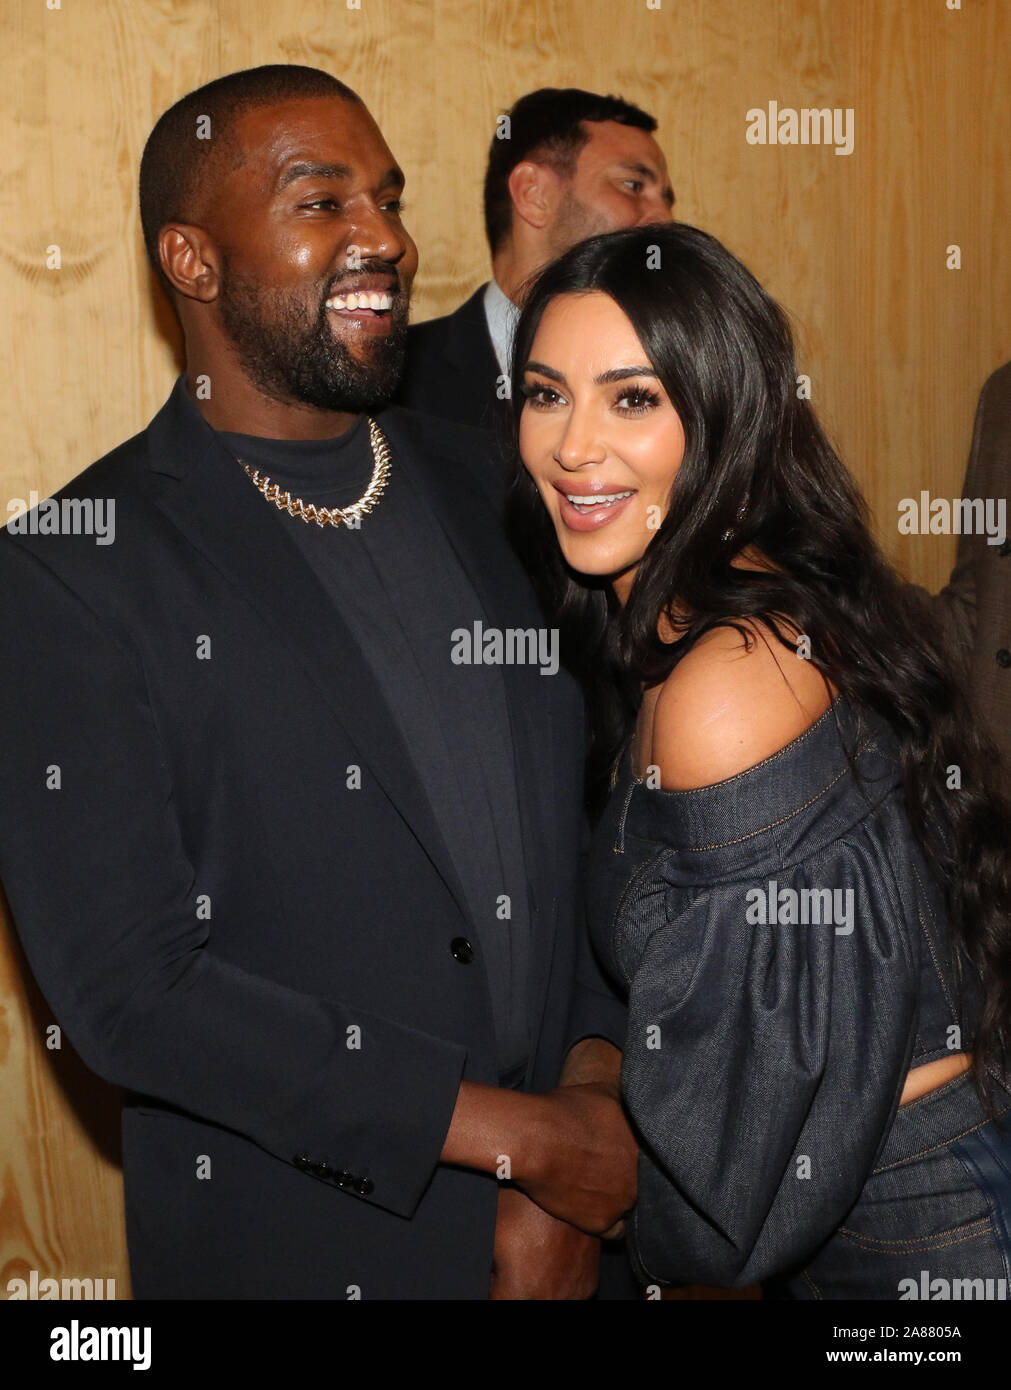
x: 563, y: 165
x: 222, y: 859
x: 976, y: 603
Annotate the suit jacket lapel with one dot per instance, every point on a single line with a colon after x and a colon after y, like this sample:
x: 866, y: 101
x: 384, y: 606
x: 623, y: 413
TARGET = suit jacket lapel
x: 468, y: 343
x: 533, y: 699
x: 469, y: 349
x: 208, y: 497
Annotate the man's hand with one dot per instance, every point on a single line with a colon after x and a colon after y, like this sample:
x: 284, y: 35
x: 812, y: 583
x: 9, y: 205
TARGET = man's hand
x: 539, y: 1257
x: 584, y: 1172
x: 571, y: 1150
x: 596, y: 1062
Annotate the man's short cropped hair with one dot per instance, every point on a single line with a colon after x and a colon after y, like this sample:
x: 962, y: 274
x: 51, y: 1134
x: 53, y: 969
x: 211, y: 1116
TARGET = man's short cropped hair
x: 547, y: 127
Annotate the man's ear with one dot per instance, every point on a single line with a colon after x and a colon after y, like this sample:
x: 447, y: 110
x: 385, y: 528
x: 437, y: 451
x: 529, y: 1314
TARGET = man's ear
x: 190, y: 259
x: 535, y: 191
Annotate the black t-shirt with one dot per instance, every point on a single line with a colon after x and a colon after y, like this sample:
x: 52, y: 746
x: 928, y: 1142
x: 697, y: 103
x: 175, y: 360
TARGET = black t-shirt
x: 401, y: 589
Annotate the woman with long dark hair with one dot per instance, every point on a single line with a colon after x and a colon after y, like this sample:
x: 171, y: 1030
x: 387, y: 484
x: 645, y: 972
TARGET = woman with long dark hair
x: 800, y: 869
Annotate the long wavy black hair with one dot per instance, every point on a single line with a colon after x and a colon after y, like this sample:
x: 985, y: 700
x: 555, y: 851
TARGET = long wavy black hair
x: 723, y: 350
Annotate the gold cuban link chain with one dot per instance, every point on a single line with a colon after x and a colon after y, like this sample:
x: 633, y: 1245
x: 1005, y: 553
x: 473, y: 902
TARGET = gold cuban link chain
x: 332, y: 516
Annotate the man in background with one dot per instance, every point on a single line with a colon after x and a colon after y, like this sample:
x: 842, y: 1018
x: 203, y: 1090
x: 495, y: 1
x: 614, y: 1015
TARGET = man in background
x: 562, y: 166
x: 976, y: 602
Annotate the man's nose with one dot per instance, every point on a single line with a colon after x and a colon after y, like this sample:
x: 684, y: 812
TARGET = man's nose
x: 376, y: 236
x: 655, y: 209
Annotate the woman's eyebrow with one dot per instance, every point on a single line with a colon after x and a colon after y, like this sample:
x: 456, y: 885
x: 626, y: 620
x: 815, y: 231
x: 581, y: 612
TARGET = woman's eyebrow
x: 614, y: 374
x: 622, y: 374
x: 545, y: 371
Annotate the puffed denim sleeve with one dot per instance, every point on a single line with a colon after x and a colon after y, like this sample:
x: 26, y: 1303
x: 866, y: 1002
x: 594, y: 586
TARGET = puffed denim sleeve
x: 772, y: 952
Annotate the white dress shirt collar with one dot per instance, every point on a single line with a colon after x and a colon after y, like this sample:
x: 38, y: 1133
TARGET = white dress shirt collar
x: 502, y: 315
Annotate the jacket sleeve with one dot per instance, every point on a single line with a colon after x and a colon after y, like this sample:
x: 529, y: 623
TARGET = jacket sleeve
x: 764, y: 1063
x: 955, y: 605
x: 103, y: 894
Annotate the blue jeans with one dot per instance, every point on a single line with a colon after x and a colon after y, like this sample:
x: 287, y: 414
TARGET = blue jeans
x: 934, y: 1218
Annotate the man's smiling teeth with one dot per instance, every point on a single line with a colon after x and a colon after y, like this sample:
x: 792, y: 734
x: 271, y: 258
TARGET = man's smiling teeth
x: 378, y: 302
x: 600, y: 499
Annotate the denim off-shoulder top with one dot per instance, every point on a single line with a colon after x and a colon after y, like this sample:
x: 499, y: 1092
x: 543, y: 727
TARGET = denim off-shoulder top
x: 787, y: 958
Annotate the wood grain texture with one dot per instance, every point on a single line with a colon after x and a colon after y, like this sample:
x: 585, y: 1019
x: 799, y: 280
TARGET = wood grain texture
x: 896, y: 345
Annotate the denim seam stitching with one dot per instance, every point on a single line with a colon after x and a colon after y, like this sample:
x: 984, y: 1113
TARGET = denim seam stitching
x: 632, y: 884
x: 952, y: 1139
x: 971, y: 1231
x: 727, y: 844
x: 619, y: 842
x: 930, y: 944
x: 938, y: 1090
x: 965, y: 1229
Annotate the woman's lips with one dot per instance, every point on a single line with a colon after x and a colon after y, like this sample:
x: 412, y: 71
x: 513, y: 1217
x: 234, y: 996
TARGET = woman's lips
x: 592, y: 515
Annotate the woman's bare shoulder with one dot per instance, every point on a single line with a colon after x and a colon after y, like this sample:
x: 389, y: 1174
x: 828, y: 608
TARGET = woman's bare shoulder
x: 729, y: 704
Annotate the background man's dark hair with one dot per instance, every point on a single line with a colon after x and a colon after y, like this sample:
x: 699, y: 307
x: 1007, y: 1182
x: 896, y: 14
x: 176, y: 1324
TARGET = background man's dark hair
x: 177, y: 165
x: 546, y: 126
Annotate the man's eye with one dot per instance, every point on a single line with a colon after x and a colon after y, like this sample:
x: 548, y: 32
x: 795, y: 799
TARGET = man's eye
x: 322, y: 202
x: 395, y: 205
x: 636, y: 185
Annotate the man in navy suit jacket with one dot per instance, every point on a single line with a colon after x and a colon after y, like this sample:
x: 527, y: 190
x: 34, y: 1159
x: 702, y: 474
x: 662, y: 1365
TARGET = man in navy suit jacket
x: 563, y: 165
x: 285, y: 869
x: 975, y: 604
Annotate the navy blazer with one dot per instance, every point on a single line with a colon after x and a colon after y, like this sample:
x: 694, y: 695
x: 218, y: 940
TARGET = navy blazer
x: 266, y: 956
x: 451, y: 369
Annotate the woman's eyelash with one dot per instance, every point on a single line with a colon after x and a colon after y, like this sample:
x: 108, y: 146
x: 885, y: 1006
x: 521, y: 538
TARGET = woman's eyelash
x: 531, y: 390
x: 645, y: 398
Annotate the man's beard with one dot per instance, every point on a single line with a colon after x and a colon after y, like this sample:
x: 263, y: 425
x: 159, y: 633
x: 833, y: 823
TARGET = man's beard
x: 575, y: 221
x: 290, y: 355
